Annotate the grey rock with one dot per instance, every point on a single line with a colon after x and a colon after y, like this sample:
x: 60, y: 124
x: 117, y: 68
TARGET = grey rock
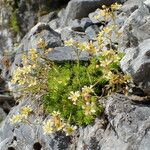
x: 6, y: 35
x: 41, y: 30
x: 54, y: 24
x: 131, y: 5
x: 128, y: 127
x: 57, y: 22
x: 136, y: 28
x: 137, y: 63
x: 25, y: 136
x: 81, y: 25
x: 26, y: 14
x: 77, y: 9
x: 147, y: 2
x: 66, y: 53
x: 119, y: 21
x: 49, y: 17
x: 135, y: 43
x: 93, y: 15
x: 86, y: 22
x: 76, y: 25
x: 67, y: 34
x: 92, y: 32
x: 2, y: 115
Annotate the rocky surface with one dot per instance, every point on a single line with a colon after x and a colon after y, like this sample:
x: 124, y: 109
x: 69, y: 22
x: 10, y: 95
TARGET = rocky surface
x: 135, y: 43
x: 137, y: 63
x: 125, y: 124
x: 19, y: 16
x: 6, y: 100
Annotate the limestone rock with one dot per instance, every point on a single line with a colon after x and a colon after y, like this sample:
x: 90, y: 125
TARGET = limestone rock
x: 67, y: 33
x: 136, y: 28
x: 77, y: 9
x: 127, y: 127
x: 137, y: 63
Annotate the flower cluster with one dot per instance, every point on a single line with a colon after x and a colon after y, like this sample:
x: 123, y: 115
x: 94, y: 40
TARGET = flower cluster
x: 85, y: 46
x: 56, y: 123
x: 108, y: 12
x: 86, y: 98
x: 34, y: 70
x: 116, y: 79
x: 24, y: 75
x: 22, y: 116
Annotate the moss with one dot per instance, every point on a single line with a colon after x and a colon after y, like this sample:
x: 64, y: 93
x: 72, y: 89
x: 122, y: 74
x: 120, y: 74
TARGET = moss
x: 1, y: 119
x: 57, y: 98
x: 14, y: 24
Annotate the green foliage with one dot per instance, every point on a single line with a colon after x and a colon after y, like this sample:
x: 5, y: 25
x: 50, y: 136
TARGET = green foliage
x: 67, y: 77
x: 1, y: 119
x: 63, y: 79
x: 14, y: 24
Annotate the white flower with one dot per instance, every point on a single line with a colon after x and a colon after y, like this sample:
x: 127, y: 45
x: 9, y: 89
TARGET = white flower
x: 69, y: 129
x: 87, y: 89
x: 74, y: 96
x: 48, y: 127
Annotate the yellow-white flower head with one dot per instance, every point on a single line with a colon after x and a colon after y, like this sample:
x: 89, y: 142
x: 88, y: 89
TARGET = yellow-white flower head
x: 16, y: 118
x: 69, y: 129
x: 48, y: 127
x: 74, y: 96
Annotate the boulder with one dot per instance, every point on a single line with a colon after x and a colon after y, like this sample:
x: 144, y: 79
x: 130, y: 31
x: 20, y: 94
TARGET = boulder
x: 40, y: 30
x: 67, y: 33
x: 128, y: 126
x: 81, y: 25
x: 77, y: 9
x: 66, y: 54
x: 92, y: 32
x: 136, y: 28
x: 2, y: 115
x: 135, y: 43
x: 137, y: 63
x: 29, y: 136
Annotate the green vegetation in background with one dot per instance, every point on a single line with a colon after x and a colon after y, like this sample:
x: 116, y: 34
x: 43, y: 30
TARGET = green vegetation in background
x: 62, y: 80
x: 14, y: 24
x: 1, y: 119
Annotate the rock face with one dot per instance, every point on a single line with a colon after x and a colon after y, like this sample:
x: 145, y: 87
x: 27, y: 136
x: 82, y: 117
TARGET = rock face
x: 136, y: 27
x: 6, y: 101
x: 130, y: 123
x: 137, y: 63
x: 135, y: 43
x: 18, y: 17
x: 6, y: 36
x: 77, y: 9
x: 125, y: 124
x: 128, y: 128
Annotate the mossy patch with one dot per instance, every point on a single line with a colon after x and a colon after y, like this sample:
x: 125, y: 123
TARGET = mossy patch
x: 14, y: 24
